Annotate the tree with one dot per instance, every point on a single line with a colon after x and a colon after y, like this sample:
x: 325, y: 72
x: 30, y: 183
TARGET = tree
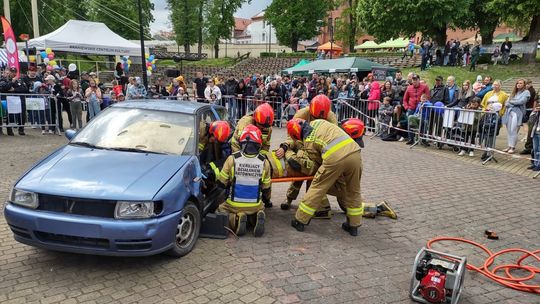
x: 524, y: 10
x: 386, y: 19
x: 347, y: 26
x: 220, y: 21
x: 296, y: 20
x: 122, y: 16
x: 185, y: 21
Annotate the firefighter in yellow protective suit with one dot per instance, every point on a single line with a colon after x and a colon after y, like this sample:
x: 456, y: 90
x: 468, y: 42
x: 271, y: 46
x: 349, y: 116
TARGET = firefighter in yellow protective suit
x: 262, y: 118
x: 247, y: 174
x: 214, y: 148
x: 319, y: 108
x: 339, y: 157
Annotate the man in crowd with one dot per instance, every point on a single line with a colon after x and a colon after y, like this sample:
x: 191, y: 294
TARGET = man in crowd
x: 10, y: 83
x: 199, y: 86
x: 400, y: 84
x: 230, y: 91
x: 413, y: 93
x: 487, y: 85
x: 506, y: 47
x: 439, y: 93
x: 452, y: 89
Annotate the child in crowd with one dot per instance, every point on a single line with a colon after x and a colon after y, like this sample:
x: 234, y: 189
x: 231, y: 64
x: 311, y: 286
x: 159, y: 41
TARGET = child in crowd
x: 213, y: 98
x: 303, y: 102
x: 469, y: 130
x: 291, y: 109
x: 413, y: 121
x: 386, y: 112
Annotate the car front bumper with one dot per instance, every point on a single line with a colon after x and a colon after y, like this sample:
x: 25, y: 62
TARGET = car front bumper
x: 92, y: 235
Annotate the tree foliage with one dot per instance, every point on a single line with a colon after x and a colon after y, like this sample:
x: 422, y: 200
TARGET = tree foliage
x: 296, y: 20
x: 347, y: 29
x: 386, y: 19
x: 184, y: 16
x: 54, y: 13
x: 220, y: 21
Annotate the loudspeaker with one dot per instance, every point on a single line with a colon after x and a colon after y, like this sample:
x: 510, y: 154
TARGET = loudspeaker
x: 172, y: 73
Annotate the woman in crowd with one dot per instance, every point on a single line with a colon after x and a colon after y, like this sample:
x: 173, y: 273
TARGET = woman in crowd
x: 513, y: 116
x: 495, y: 95
x: 75, y: 97
x: 389, y: 91
x: 322, y: 87
x: 373, y: 102
x: 464, y: 96
x: 93, y: 98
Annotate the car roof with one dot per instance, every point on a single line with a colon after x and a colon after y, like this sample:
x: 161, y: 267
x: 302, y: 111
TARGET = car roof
x: 188, y: 107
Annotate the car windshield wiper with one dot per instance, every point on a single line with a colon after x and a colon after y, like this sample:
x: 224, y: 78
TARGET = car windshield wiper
x: 85, y: 144
x: 133, y: 150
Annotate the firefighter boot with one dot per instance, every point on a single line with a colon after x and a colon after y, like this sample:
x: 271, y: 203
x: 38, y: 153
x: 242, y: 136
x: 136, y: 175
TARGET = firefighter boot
x: 258, y: 231
x: 286, y: 205
x: 297, y: 225
x: 241, y: 223
x: 351, y: 230
x: 384, y: 209
x: 370, y: 210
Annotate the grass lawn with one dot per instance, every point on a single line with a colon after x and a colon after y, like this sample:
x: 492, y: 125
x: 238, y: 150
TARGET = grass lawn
x: 499, y: 71
x: 220, y: 62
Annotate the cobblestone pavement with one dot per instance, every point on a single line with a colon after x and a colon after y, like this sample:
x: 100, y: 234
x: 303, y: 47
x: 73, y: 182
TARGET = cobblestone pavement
x: 433, y: 196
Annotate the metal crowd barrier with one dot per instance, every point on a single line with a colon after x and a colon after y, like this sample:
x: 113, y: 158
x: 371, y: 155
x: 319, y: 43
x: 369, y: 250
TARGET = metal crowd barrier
x: 237, y: 107
x: 461, y: 129
x: 366, y: 110
x: 25, y: 110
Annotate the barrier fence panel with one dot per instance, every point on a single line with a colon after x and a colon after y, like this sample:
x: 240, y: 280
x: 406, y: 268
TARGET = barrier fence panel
x: 358, y: 108
x: 22, y: 110
x: 462, y: 129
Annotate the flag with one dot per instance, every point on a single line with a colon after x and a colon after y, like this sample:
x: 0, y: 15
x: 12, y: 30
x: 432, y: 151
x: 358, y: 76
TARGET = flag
x: 11, y: 46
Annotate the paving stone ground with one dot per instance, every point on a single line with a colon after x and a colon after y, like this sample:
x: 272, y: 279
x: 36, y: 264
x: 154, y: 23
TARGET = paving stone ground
x: 434, y: 195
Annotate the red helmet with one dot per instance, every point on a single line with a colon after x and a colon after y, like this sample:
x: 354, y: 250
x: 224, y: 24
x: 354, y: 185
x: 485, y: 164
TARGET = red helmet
x: 220, y: 130
x: 264, y: 115
x: 294, y: 128
x: 320, y: 106
x: 354, y: 127
x: 251, y: 133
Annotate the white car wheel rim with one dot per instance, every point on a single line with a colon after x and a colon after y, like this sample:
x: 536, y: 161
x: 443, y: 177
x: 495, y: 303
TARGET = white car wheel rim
x: 184, y: 230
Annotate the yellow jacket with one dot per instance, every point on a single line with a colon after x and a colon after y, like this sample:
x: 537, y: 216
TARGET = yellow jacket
x: 306, y: 115
x: 242, y: 123
x: 502, y: 96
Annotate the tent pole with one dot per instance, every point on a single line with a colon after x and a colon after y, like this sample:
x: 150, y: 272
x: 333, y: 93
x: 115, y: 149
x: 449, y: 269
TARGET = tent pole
x: 141, y: 34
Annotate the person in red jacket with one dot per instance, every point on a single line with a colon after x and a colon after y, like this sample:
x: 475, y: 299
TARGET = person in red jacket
x: 413, y: 93
x: 374, y: 99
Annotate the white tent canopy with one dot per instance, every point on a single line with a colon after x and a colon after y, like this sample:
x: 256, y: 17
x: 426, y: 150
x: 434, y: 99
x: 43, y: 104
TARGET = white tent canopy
x: 86, y: 37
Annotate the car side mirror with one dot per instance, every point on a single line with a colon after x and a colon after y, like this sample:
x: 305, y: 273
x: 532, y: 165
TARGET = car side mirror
x: 70, y: 134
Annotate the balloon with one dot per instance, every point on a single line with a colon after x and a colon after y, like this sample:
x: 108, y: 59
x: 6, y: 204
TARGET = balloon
x: 46, y: 60
x: 439, y: 107
x: 129, y: 62
x: 149, y: 73
x: 52, y: 62
x: 146, y: 56
x: 32, y: 58
x: 153, y: 66
x: 154, y: 61
x: 49, y: 68
x: 50, y: 56
x: 56, y: 67
x: 150, y: 68
x: 43, y: 54
x: 148, y: 64
x: 72, y: 67
x: 151, y: 58
x: 48, y: 51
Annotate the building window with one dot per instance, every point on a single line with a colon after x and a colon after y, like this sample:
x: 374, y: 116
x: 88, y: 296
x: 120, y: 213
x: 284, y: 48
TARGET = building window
x: 264, y: 37
x: 264, y: 24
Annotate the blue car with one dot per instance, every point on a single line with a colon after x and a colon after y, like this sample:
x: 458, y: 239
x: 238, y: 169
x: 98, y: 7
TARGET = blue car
x: 128, y: 184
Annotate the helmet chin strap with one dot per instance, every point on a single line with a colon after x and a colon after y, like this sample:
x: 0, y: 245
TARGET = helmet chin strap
x: 250, y: 148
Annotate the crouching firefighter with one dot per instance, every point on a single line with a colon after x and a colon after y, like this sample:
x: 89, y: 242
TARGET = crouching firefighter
x: 247, y: 173
x: 214, y: 148
x: 339, y: 156
x: 356, y: 128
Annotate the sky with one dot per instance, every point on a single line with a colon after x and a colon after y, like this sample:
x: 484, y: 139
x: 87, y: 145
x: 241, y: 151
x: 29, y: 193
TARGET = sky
x: 161, y: 13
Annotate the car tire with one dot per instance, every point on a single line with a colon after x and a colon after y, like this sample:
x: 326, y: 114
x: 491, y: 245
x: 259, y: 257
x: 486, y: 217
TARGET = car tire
x: 187, y: 231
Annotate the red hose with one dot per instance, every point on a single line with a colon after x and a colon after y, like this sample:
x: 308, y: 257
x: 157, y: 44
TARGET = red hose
x: 508, y: 280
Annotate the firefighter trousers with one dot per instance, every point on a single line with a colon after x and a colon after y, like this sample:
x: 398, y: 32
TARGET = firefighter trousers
x: 349, y: 168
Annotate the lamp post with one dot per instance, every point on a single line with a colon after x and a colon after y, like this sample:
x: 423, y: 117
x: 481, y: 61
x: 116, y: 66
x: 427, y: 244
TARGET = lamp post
x: 141, y: 34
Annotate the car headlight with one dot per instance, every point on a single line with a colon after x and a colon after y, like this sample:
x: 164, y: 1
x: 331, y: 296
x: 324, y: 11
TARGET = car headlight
x: 24, y: 198
x: 132, y: 210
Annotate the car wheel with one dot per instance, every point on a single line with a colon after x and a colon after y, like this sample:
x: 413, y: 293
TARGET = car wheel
x: 187, y: 231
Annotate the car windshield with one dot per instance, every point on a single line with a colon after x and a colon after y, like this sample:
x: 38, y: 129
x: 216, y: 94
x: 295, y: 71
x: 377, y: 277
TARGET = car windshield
x: 139, y: 130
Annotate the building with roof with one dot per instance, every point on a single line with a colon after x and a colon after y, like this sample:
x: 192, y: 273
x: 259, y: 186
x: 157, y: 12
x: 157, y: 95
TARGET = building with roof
x: 254, y: 31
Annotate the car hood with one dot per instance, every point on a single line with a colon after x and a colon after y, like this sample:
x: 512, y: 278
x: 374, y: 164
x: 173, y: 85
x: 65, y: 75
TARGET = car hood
x: 101, y: 174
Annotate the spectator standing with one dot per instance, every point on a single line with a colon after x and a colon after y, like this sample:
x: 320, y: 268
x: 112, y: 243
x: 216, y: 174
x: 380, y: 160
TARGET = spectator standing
x: 93, y: 98
x: 230, y: 87
x: 374, y: 100
x: 439, y: 93
x: 475, y: 54
x: 452, y: 90
x: 470, y: 132
x: 515, y: 110
x: 386, y: 112
x: 446, y: 52
x: 211, y: 88
x: 496, y: 95
x: 199, y: 87
x: 530, y: 106
x: 413, y: 93
x: 466, y: 53
x: 75, y: 98
x: 506, y: 47
x: 119, y: 74
x: 389, y: 91
x: 400, y: 85
x: 495, y: 56
x: 534, y: 121
x: 464, y: 96
x: 487, y: 86
x: 10, y: 83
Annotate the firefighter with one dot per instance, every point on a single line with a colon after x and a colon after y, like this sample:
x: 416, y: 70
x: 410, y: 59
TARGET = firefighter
x: 263, y: 118
x: 339, y: 156
x: 214, y: 147
x: 355, y: 128
x: 247, y: 173
x: 319, y: 108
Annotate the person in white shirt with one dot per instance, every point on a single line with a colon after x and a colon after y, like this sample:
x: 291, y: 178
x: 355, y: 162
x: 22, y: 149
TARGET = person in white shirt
x: 211, y: 88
